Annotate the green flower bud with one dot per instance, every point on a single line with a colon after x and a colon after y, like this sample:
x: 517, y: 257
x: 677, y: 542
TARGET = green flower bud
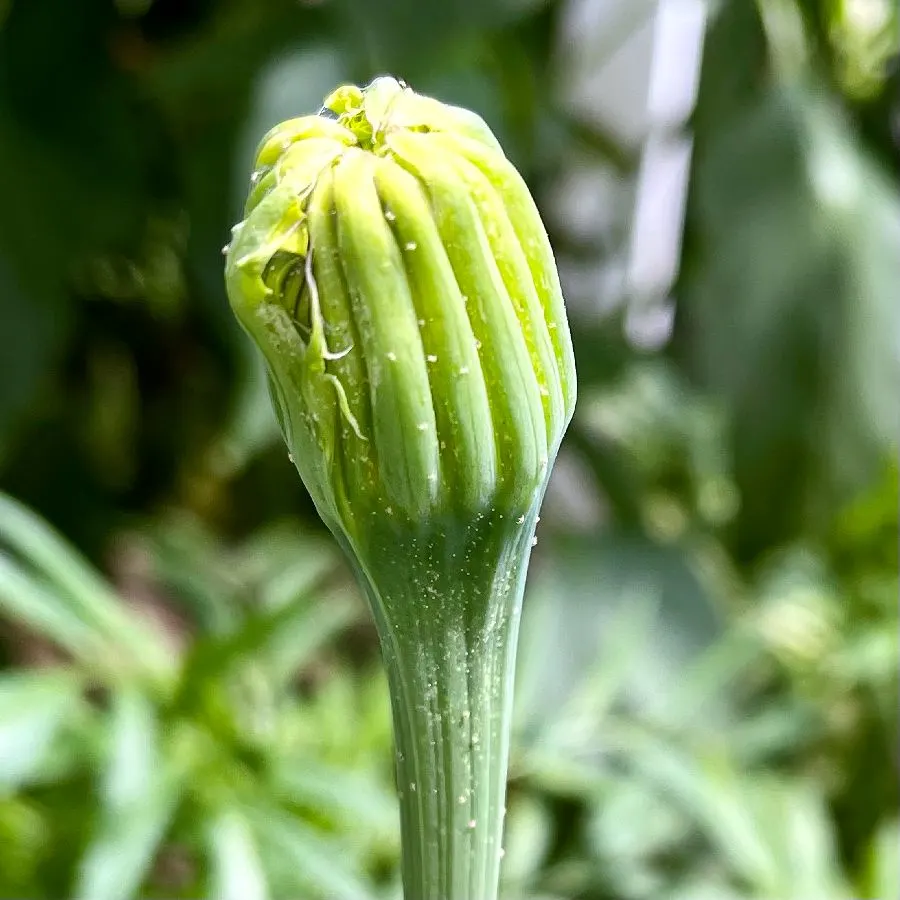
x: 394, y: 271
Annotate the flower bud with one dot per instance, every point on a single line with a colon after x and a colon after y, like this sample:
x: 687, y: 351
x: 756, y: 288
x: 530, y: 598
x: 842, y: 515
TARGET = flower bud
x: 394, y: 271
x: 396, y: 276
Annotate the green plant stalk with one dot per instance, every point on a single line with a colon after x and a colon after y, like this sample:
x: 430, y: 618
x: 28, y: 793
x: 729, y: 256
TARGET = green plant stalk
x: 449, y: 646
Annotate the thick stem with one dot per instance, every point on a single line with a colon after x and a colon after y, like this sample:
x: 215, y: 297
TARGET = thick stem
x: 448, y: 635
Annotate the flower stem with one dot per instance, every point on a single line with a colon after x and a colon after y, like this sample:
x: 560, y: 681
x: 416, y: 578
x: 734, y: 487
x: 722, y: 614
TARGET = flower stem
x: 448, y: 633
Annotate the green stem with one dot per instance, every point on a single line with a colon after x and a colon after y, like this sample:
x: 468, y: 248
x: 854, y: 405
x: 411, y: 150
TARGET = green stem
x: 448, y: 629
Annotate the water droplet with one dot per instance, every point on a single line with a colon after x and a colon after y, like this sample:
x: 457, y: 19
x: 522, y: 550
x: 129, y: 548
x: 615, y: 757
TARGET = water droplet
x: 431, y: 358
x: 389, y: 215
x: 411, y: 245
x: 464, y: 370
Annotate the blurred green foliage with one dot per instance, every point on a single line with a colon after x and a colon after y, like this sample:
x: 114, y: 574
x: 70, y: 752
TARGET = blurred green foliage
x: 190, y: 697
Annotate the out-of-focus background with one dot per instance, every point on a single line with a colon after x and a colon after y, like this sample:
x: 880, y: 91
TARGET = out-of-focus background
x: 191, y: 703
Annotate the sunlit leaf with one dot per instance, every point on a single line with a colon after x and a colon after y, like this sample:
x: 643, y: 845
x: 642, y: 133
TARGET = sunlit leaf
x: 33, y: 709
x: 139, y: 794
x: 237, y: 872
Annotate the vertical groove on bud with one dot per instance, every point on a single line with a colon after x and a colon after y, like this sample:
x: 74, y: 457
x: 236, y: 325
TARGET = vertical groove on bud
x: 513, y: 387
x: 513, y: 266
x: 402, y: 411
x: 526, y: 221
x: 358, y: 455
x: 459, y: 394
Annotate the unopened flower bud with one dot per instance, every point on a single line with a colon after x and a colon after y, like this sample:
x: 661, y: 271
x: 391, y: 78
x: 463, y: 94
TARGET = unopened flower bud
x: 394, y: 271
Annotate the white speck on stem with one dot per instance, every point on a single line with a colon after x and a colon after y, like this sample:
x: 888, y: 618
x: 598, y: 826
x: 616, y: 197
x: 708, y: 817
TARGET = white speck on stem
x: 411, y: 245
x: 225, y: 249
x: 520, y: 520
x: 412, y: 786
x: 464, y: 370
x: 422, y: 426
x: 421, y: 323
x: 389, y: 510
x: 431, y: 358
x: 389, y: 215
x: 534, y: 541
x: 392, y: 356
x: 472, y: 824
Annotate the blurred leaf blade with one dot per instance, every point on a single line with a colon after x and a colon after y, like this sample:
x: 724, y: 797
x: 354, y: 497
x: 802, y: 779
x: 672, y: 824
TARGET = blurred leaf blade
x: 139, y: 794
x: 237, y: 871
x: 33, y: 710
